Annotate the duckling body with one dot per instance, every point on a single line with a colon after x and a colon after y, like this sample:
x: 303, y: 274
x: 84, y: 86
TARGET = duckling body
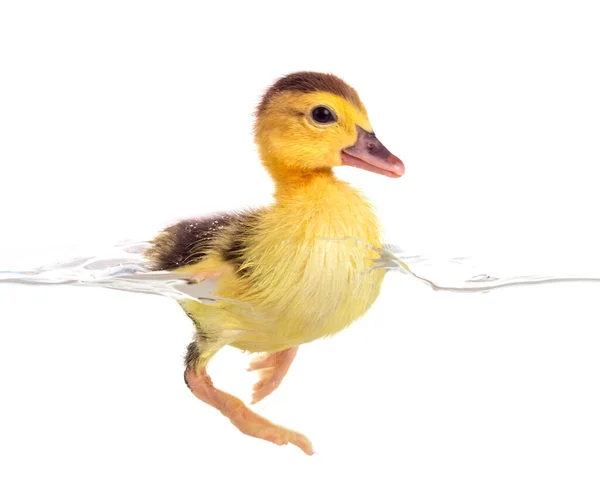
x: 304, y: 268
x: 297, y: 270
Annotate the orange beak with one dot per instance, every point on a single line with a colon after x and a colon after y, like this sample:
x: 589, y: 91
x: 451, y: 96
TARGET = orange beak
x: 371, y: 155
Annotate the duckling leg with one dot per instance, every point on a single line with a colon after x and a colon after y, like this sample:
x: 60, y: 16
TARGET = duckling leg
x: 247, y: 421
x: 271, y: 368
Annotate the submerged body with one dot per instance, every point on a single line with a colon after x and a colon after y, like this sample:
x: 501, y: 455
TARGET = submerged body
x: 297, y: 270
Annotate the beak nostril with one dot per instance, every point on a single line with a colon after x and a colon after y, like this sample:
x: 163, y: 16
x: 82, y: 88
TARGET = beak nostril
x: 370, y: 146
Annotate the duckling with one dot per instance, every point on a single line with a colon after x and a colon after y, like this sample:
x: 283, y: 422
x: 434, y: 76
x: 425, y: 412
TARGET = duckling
x: 287, y: 273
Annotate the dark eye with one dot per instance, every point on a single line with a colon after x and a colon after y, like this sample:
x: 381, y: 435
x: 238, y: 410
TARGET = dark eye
x: 322, y: 114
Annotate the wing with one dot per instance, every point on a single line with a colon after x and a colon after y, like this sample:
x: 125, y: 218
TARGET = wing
x: 220, y: 239
x: 186, y: 242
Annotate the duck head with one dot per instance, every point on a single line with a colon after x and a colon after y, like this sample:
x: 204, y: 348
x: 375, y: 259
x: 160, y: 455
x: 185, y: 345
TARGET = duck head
x: 311, y: 122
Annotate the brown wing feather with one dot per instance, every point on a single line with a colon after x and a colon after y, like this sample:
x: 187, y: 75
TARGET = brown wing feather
x: 186, y: 242
x: 190, y: 241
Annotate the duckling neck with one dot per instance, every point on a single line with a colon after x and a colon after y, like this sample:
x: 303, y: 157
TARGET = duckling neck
x: 317, y: 203
x: 293, y: 183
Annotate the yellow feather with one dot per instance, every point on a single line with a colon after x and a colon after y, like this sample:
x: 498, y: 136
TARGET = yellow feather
x: 308, y: 276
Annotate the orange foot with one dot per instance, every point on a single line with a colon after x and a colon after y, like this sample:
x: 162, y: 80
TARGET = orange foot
x: 271, y: 368
x: 244, y: 419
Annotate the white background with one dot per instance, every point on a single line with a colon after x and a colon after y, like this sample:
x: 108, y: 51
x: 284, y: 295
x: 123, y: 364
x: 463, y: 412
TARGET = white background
x: 118, y: 117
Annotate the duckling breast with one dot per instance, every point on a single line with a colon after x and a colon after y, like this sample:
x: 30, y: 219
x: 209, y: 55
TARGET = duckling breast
x: 309, y: 269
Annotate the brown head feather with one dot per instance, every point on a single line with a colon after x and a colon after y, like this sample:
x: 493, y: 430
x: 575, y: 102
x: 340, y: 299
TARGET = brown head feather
x: 307, y: 81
